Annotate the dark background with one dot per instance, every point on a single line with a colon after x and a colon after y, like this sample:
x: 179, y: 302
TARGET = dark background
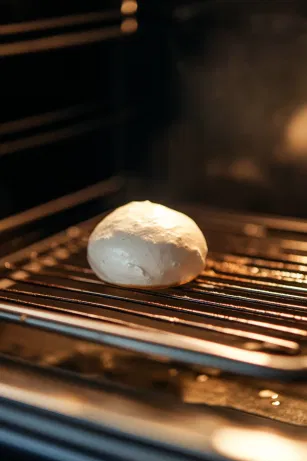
x: 199, y: 101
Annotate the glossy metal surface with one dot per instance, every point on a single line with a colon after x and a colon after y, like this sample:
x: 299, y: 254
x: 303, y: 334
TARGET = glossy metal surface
x: 237, y: 316
x: 102, y: 421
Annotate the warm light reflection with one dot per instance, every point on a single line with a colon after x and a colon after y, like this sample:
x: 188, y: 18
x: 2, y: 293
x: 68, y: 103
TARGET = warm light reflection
x: 254, y: 445
x: 129, y: 7
x: 246, y: 169
x: 297, y: 132
x: 129, y: 25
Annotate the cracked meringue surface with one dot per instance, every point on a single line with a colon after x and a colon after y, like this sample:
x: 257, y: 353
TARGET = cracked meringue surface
x: 147, y: 245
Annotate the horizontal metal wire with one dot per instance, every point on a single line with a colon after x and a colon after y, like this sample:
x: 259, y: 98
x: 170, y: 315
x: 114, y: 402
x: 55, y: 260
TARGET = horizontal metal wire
x: 60, y: 41
x: 59, y: 22
x: 249, y: 302
x: 55, y: 135
x: 47, y: 118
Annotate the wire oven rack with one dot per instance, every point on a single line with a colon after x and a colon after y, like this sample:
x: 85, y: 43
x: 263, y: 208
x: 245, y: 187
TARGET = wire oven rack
x: 246, y: 313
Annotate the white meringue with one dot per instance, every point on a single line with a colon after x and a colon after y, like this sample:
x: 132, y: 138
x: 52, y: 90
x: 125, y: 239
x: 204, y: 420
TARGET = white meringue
x: 143, y: 244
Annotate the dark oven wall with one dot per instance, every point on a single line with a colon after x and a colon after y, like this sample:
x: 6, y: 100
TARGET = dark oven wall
x: 205, y: 100
x: 236, y: 101
x: 68, y: 97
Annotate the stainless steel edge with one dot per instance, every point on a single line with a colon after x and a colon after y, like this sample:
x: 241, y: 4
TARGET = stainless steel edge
x: 173, y: 346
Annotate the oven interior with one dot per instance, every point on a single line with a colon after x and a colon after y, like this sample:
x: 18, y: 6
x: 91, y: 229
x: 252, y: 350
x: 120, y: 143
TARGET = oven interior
x: 229, y: 347
x: 200, y: 105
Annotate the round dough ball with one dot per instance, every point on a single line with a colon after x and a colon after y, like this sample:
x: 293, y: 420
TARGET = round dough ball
x: 143, y: 244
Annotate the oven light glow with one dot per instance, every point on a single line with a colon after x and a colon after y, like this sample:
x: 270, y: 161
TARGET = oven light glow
x: 129, y: 7
x: 256, y: 445
x: 129, y: 25
x: 297, y: 133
